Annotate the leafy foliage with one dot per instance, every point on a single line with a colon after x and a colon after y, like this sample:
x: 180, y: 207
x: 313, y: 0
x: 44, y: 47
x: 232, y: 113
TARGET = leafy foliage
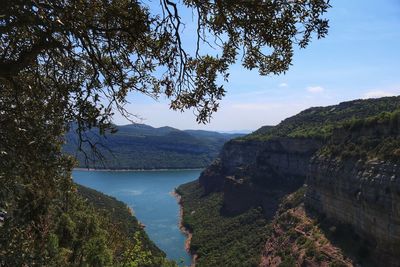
x: 90, y: 230
x: 121, y: 218
x: 97, y: 232
x: 76, y: 61
x: 220, y: 240
x: 97, y: 51
x: 47, y: 222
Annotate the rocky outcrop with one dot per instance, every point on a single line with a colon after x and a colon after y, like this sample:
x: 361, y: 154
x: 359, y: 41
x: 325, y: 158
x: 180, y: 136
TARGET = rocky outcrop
x: 356, y: 182
x: 254, y: 173
x: 296, y: 239
x: 365, y: 195
x: 359, y: 193
x: 352, y: 177
x: 211, y: 178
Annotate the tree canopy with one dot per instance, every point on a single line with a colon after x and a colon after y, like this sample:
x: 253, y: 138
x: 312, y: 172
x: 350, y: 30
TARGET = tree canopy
x: 89, y: 50
x: 64, y: 61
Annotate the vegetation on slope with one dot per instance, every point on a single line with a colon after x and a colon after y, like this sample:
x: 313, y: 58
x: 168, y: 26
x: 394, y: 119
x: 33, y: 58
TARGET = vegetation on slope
x: 220, y: 240
x: 319, y: 122
x: 141, y: 146
x: 121, y: 218
x: 86, y: 229
x: 374, y: 137
x: 297, y: 238
x: 292, y: 238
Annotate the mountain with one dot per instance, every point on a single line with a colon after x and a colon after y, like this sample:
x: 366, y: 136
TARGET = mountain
x: 140, y: 146
x: 322, y: 188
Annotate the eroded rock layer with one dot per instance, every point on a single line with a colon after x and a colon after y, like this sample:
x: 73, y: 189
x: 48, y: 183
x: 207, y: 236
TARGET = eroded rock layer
x: 365, y: 195
x: 356, y: 181
x: 259, y: 173
x: 348, y: 156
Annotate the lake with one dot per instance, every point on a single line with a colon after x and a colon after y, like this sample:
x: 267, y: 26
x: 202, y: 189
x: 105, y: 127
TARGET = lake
x: 148, y: 193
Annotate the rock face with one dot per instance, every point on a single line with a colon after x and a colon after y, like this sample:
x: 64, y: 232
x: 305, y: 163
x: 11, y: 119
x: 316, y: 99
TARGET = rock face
x: 352, y: 176
x: 254, y: 173
x: 365, y: 195
x: 362, y: 191
x: 211, y: 178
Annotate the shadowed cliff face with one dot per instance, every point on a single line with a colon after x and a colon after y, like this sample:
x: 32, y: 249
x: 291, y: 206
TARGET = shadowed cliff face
x: 361, y: 190
x: 365, y: 195
x: 253, y: 173
x: 349, y: 157
x: 353, y: 190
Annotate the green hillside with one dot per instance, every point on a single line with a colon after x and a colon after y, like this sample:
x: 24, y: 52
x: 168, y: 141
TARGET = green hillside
x: 86, y: 229
x: 220, y: 240
x: 319, y: 122
x: 140, y: 146
x: 120, y: 217
x: 374, y: 137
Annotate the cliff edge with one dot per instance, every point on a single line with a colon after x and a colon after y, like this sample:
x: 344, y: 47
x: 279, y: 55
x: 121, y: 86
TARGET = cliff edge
x: 347, y: 157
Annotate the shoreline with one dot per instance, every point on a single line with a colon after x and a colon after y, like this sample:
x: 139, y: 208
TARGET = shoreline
x: 135, y: 170
x: 183, y: 229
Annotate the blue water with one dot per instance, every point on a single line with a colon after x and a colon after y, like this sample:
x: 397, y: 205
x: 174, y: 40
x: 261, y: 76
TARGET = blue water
x: 148, y: 193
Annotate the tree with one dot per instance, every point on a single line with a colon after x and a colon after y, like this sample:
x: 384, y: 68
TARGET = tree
x: 64, y: 61
x: 86, y: 50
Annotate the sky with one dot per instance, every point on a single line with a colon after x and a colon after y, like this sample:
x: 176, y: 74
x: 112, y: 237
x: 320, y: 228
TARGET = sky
x: 360, y: 58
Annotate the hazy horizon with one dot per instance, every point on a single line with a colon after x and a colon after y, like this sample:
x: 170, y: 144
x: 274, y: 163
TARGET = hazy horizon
x: 243, y: 131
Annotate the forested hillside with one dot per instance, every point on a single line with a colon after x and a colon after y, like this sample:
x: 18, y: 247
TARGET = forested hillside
x: 122, y: 227
x: 87, y: 229
x: 140, y: 146
x: 319, y: 122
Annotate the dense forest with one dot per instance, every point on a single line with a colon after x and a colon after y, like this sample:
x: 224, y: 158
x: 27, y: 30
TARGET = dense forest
x: 374, y: 137
x: 91, y: 229
x: 219, y: 239
x: 140, y: 146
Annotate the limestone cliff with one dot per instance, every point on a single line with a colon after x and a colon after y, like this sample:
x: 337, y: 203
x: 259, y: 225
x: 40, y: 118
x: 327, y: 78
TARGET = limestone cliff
x: 348, y: 155
x: 362, y: 189
x: 365, y: 195
x: 259, y: 172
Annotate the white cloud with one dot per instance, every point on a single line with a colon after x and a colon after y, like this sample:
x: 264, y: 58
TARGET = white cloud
x: 283, y: 85
x: 315, y: 89
x: 379, y: 93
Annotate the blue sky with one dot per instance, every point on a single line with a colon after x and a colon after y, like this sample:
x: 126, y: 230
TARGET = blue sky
x: 360, y: 58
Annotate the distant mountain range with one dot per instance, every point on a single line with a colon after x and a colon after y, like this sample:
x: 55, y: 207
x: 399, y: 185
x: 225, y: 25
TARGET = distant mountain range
x: 140, y: 146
